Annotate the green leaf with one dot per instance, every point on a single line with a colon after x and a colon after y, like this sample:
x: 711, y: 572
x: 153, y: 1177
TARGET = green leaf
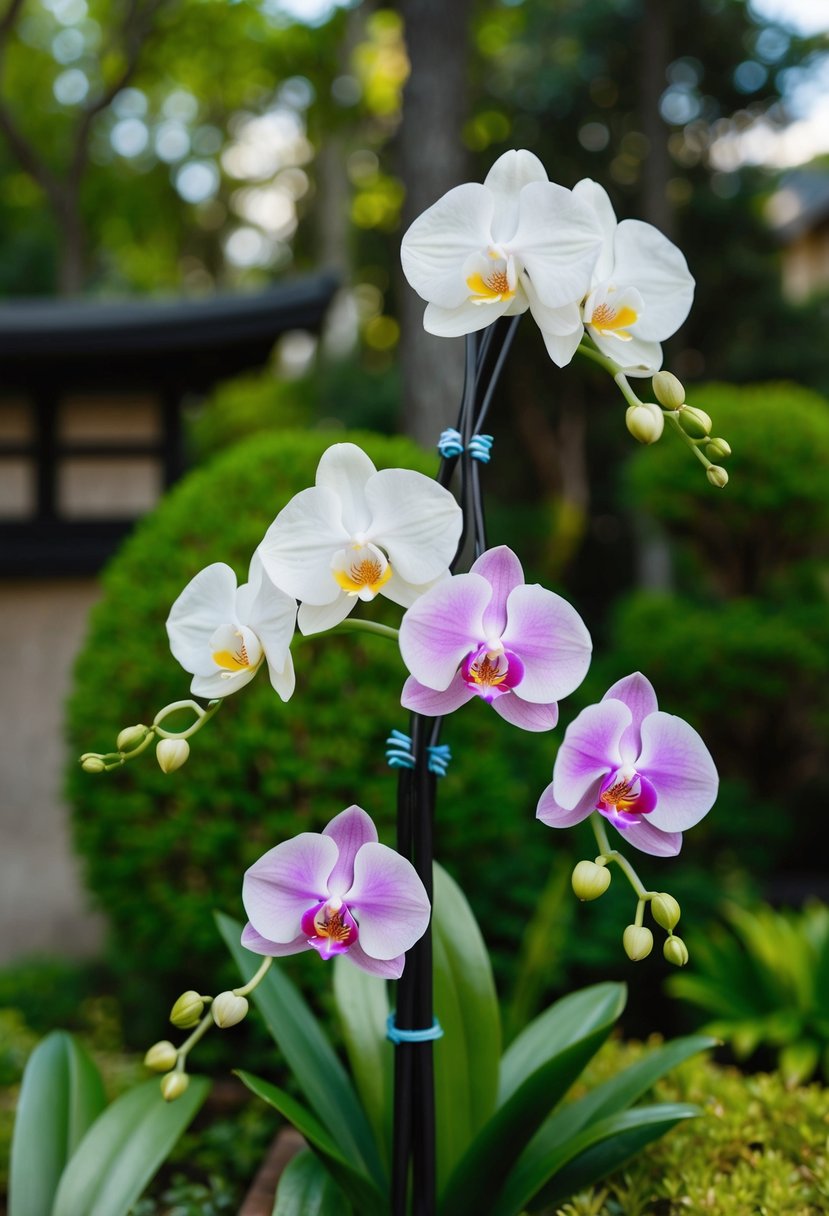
x: 61, y: 1096
x: 363, y: 1005
x: 309, y: 1055
x: 124, y: 1148
x: 598, y: 1150
x: 532, y: 1087
x: 466, y: 1005
x: 609, y: 1098
x: 307, y: 1189
x: 365, y: 1197
x: 797, y: 1061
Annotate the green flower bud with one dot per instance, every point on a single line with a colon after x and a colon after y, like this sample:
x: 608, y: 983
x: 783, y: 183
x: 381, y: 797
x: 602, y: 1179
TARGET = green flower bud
x: 675, y: 951
x: 668, y: 390
x: 130, y: 737
x: 645, y: 421
x: 638, y: 942
x: 187, y: 1010
x: 161, y: 1057
x: 228, y: 1009
x: 174, y: 1085
x: 718, y: 449
x: 589, y: 880
x: 171, y: 754
x: 92, y: 764
x: 694, y: 422
x: 717, y: 475
x: 665, y: 911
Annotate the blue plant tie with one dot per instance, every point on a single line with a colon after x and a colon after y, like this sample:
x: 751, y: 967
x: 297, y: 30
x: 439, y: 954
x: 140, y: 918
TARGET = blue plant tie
x: 393, y: 1032
x: 399, y: 752
x: 480, y: 448
x: 439, y: 757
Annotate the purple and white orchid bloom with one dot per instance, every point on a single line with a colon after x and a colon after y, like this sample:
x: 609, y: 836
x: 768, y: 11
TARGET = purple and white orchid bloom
x: 358, y: 533
x: 222, y: 633
x: 647, y: 772
x: 337, y: 892
x: 641, y: 290
x: 488, y: 634
x: 517, y: 242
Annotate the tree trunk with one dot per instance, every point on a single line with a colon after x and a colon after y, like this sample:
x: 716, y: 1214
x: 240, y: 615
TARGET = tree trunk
x: 72, y: 246
x: 656, y: 54
x: 432, y: 159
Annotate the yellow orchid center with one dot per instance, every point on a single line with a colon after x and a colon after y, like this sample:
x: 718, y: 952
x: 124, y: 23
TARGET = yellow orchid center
x: 361, y: 570
x: 235, y: 649
x: 609, y: 320
x: 236, y: 659
x: 495, y: 286
x: 619, y: 796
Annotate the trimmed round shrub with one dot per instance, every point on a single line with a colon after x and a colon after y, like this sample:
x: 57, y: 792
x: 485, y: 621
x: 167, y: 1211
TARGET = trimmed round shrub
x: 162, y: 852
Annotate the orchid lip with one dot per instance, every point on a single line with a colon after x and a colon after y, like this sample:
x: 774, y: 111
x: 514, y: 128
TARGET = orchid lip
x: 491, y: 670
x: 625, y: 795
x: 330, y: 928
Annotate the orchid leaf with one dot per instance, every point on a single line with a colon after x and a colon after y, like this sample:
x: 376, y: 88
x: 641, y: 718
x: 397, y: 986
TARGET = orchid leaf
x: 531, y: 1089
x: 363, y: 1005
x: 61, y: 1096
x: 307, y: 1189
x: 362, y: 1193
x: 466, y: 1005
x: 124, y: 1148
x: 309, y: 1054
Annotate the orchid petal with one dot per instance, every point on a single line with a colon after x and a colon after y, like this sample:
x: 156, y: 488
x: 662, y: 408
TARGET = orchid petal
x: 597, y: 197
x: 298, y: 546
x: 349, y: 830
x: 680, y: 766
x: 648, y: 838
x: 589, y: 751
x: 283, y: 884
x: 283, y: 682
x: 558, y: 240
x: 436, y: 245
x: 467, y: 318
x: 562, y: 349
x: 254, y: 941
x: 551, y: 640
x: 507, y: 177
x: 390, y: 901
x: 432, y: 704
x: 502, y: 570
x: 399, y: 591
x: 208, y: 600
x: 415, y: 520
x: 635, y: 357
x: 272, y: 617
x: 524, y: 714
x: 560, y: 322
x: 635, y: 691
x: 344, y: 469
x: 443, y: 627
x: 315, y: 618
x: 221, y: 683
x: 386, y: 968
x: 556, y: 816
x: 648, y: 261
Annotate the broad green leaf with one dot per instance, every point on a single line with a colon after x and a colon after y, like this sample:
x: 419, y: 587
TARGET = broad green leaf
x: 466, y: 1005
x: 563, y: 1023
x: 537, y: 1090
x: 362, y: 1193
x: 61, y: 1096
x: 798, y: 1061
x: 609, y: 1098
x: 598, y: 1150
x: 309, y: 1055
x: 124, y: 1148
x: 363, y: 1005
x: 307, y: 1189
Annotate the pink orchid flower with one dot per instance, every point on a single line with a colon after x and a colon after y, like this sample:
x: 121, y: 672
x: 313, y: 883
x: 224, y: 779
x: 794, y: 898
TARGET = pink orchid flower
x: 647, y: 772
x: 489, y: 634
x: 337, y: 892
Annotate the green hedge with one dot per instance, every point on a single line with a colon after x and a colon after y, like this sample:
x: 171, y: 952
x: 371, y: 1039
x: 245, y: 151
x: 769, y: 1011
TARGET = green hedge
x: 161, y: 852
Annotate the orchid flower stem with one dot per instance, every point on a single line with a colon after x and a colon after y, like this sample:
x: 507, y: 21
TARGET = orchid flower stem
x: 188, y: 1044
x: 694, y: 445
x: 608, y: 854
x: 202, y: 716
x: 256, y: 979
x: 359, y: 626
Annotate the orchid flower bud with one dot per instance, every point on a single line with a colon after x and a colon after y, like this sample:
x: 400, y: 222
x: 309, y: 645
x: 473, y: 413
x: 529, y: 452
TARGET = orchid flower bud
x: 130, y: 737
x: 161, y: 1057
x: 717, y: 475
x: 171, y: 754
x: 668, y: 390
x: 92, y: 764
x: 675, y: 951
x: 718, y: 449
x: 174, y: 1085
x: 589, y: 880
x: 187, y: 1010
x: 638, y: 942
x: 645, y: 421
x: 665, y: 911
x: 228, y: 1009
x: 694, y: 422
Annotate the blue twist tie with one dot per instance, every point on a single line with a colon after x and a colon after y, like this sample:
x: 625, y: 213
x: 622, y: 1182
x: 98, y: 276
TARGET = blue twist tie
x: 439, y: 757
x: 393, y: 1032
x: 450, y: 443
x: 399, y: 750
x: 480, y: 448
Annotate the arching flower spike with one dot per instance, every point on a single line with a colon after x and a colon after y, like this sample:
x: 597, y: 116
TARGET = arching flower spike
x: 488, y: 634
x: 516, y: 242
x: 647, y: 772
x: 641, y: 290
x: 222, y: 634
x: 358, y: 533
x: 337, y: 892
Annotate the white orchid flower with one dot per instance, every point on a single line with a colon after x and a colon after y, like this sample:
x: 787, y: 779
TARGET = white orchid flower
x: 641, y: 290
x: 222, y: 633
x: 358, y: 533
x: 517, y: 242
